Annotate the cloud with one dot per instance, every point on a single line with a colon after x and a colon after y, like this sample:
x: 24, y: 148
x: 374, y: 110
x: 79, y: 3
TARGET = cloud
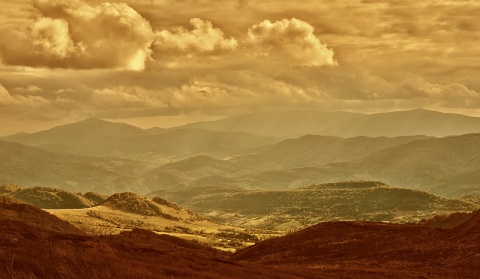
x: 74, y: 34
x: 5, y: 97
x: 51, y: 37
x: 204, y: 38
x: 448, y: 95
x: 31, y: 89
x: 123, y: 97
x: 293, y: 39
x: 8, y: 100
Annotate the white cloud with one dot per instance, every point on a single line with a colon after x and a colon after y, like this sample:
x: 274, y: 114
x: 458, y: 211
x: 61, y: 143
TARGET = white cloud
x: 204, y: 38
x: 293, y: 39
x: 51, y: 37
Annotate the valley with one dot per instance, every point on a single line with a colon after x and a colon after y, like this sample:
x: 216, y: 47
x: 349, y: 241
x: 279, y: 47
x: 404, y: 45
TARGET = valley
x: 301, y: 204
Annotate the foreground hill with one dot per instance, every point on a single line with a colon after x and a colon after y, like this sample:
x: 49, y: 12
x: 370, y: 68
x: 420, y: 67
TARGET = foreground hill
x: 34, y: 244
x: 291, y: 124
x: 377, y: 249
x: 125, y: 211
x: 12, y: 209
x: 299, y: 208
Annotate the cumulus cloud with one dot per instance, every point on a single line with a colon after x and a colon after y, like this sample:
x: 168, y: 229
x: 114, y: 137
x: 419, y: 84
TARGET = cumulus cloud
x: 52, y: 38
x: 74, y: 34
x: 293, y: 39
x: 204, y: 38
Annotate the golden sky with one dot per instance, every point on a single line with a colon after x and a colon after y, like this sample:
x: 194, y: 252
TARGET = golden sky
x: 164, y: 63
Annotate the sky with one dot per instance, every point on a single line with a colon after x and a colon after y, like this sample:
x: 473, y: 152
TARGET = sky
x: 165, y: 63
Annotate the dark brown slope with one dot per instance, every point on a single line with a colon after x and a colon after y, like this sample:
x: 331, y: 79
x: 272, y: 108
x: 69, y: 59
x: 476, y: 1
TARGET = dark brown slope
x: 383, y: 249
x: 30, y: 252
x: 12, y: 209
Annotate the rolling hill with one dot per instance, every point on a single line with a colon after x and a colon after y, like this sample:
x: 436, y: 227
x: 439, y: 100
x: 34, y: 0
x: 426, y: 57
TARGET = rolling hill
x: 35, y: 244
x: 292, y: 124
x: 375, y: 250
x: 299, y: 208
x: 51, y: 198
x: 12, y: 209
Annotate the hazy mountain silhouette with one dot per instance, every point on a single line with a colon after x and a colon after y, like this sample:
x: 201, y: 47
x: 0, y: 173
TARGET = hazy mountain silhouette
x: 292, y: 124
x: 448, y: 166
x: 314, y: 151
x: 31, y: 166
x: 184, y: 143
x: 98, y: 137
x: 91, y: 136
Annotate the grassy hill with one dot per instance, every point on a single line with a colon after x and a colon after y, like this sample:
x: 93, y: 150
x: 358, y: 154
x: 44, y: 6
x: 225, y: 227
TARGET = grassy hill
x: 51, y: 198
x: 13, y: 209
x: 299, y: 208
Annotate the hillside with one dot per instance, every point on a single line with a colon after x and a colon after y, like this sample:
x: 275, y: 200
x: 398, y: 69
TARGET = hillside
x: 45, y: 246
x: 31, y: 166
x: 292, y: 124
x: 125, y: 211
x: 51, y: 198
x: 447, y: 166
x: 91, y: 136
x: 12, y: 209
x: 315, y: 151
x: 184, y: 143
x: 30, y: 252
x: 299, y: 208
x: 367, y: 250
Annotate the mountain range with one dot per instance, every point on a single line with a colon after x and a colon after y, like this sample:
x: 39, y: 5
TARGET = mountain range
x: 413, y: 149
x: 292, y: 124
